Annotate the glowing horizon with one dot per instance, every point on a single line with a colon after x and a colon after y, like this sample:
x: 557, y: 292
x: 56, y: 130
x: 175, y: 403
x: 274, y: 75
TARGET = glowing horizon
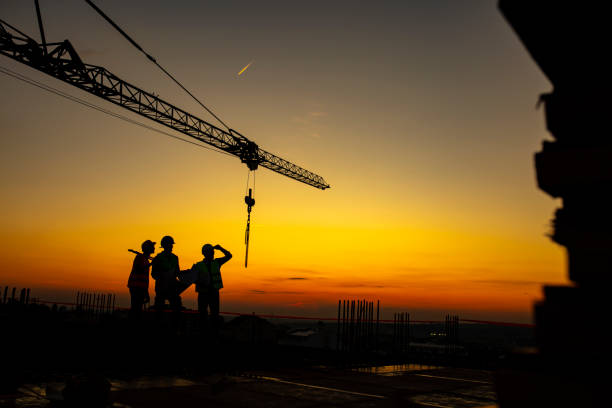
x: 427, y: 142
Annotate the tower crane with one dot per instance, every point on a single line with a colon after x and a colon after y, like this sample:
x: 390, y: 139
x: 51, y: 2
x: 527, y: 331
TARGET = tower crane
x: 61, y: 61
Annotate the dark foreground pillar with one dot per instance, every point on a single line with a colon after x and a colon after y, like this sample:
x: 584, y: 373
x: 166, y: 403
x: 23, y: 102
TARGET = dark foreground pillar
x: 568, y: 40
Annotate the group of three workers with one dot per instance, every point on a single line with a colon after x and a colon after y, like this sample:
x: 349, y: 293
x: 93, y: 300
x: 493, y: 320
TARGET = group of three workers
x: 170, y: 281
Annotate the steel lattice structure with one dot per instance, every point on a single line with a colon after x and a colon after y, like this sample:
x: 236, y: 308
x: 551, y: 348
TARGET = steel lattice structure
x: 61, y: 61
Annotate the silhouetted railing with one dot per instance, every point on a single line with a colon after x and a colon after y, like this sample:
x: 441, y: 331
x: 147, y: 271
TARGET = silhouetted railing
x: 451, y: 332
x: 401, y: 332
x: 24, y: 296
x: 95, y: 304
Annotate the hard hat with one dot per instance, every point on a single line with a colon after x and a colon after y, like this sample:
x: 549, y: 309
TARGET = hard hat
x: 167, y: 240
x: 148, y: 244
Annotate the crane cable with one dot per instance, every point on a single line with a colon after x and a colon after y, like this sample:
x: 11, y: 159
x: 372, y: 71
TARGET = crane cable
x: 249, y: 200
x: 152, y: 59
x: 85, y: 103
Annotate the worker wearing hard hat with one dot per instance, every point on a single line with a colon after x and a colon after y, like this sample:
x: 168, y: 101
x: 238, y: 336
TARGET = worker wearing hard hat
x: 138, y: 282
x: 165, y: 272
x: 208, y: 282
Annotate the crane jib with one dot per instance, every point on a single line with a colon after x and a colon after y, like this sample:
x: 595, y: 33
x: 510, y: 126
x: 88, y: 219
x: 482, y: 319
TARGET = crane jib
x: 61, y: 61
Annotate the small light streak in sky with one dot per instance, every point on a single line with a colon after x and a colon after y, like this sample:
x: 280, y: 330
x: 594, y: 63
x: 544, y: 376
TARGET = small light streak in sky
x: 245, y: 68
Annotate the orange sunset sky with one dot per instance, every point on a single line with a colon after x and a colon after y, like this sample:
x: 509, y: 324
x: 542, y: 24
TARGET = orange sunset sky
x: 420, y: 115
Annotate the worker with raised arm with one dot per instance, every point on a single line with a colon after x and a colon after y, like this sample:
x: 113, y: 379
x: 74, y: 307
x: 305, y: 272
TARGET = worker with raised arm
x: 208, y: 282
x: 138, y: 282
x: 165, y: 270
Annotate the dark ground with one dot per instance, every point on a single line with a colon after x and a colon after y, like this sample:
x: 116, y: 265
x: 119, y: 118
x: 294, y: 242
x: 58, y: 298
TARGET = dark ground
x: 300, y: 387
x: 252, y: 362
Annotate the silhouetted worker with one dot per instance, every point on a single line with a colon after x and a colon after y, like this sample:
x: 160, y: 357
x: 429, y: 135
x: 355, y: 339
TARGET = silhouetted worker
x: 209, y: 282
x: 138, y: 282
x: 165, y: 272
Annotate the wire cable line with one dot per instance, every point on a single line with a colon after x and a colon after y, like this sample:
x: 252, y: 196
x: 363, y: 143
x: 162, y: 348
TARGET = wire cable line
x: 153, y: 60
x: 83, y: 102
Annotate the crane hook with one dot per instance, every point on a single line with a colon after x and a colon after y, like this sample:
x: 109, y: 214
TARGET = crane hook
x: 250, y: 202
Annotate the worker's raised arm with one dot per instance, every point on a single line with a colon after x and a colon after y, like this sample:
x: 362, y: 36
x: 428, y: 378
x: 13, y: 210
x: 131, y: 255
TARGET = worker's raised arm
x: 227, y: 254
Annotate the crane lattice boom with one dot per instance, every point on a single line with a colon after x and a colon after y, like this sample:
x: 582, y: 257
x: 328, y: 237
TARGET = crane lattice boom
x: 61, y: 61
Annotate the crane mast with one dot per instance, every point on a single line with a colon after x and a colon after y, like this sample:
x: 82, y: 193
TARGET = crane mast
x: 61, y: 61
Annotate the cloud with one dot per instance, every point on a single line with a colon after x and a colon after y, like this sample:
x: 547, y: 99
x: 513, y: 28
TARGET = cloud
x: 416, y: 271
x: 442, y: 274
x: 363, y: 285
x: 288, y: 273
x: 270, y: 280
x: 310, y: 119
x: 501, y: 282
x: 303, y: 271
x: 266, y: 292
